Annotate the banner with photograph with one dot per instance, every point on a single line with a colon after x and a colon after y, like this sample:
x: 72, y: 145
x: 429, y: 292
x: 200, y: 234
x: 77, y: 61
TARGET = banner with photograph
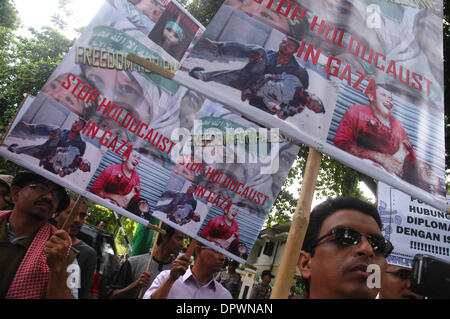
x: 144, y: 146
x: 412, y: 226
x: 361, y: 81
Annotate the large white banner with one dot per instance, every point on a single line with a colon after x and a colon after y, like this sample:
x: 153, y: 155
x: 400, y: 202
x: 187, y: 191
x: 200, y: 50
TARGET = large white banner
x: 142, y: 145
x: 361, y: 81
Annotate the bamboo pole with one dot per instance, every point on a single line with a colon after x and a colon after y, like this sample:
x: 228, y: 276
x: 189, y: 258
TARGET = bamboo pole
x: 150, y: 66
x: 72, y: 213
x: 155, y: 239
x: 286, y: 271
x: 156, y: 228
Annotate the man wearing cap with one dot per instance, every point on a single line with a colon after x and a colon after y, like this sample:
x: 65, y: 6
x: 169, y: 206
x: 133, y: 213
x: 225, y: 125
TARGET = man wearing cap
x: 263, y: 289
x: 35, y: 254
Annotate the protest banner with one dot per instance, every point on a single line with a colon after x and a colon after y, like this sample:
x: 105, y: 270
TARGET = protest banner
x: 144, y: 146
x: 412, y: 226
x: 346, y: 87
x: 361, y: 83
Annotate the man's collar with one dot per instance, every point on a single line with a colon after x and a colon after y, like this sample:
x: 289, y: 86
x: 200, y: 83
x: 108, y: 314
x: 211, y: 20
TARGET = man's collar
x: 188, y: 275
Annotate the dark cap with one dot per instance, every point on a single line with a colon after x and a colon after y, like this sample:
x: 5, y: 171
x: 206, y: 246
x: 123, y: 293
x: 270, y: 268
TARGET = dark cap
x: 25, y: 177
x: 267, y: 273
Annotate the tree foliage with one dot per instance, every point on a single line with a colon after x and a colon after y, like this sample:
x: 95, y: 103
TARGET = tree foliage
x: 9, y: 17
x: 202, y: 10
x: 26, y: 64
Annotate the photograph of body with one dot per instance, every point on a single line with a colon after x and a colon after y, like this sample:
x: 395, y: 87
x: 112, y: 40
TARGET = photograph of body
x: 265, y: 66
x: 370, y: 131
x: 223, y: 230
x: 181, y: 207
x: 62, y: 152
x: 120, y: 183
x: 264, y: 70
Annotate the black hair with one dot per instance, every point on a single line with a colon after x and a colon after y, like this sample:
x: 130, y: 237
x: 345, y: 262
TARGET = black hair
x: 72, y: 197
x: 169, y: 233
x: 328, y: 208
x: 266, y: 273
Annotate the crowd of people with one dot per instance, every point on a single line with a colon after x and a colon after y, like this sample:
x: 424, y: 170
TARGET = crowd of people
x: 40, y: 249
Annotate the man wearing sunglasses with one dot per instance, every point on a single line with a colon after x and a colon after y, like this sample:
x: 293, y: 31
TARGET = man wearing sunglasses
x: 396, y: 283
x: 343, y: 238
x: 35, y: 255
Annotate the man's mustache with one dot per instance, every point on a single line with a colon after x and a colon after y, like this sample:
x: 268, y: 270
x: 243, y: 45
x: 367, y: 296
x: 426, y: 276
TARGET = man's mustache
x: 45, y: 202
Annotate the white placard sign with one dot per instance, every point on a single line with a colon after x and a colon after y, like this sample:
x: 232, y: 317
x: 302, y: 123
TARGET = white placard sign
x: 412, y: 226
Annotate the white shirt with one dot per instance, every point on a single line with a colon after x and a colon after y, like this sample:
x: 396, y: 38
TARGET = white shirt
x: 188, y: 287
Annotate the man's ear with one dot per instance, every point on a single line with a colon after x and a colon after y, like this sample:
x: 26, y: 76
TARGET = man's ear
x: 163, y: 237
x: 15, y: 193
x: 304, y: 264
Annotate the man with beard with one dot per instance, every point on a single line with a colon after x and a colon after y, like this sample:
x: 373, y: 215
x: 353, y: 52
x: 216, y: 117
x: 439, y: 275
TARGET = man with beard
x: 35, y: 255
x: 58, y: 139
x: 343, y: 238
x: 120, y: 183
x: 370, y: 132
x: 87, y: 257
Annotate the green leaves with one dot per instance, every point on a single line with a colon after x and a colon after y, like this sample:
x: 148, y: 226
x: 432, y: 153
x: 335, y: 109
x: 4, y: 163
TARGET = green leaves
x: 334, y: 179
x: 25, y: 66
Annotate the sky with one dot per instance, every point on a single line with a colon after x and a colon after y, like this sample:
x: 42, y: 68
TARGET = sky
x: 38, y: 13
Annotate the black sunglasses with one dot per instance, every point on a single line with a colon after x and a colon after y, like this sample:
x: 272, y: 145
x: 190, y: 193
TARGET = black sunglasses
x: 346, y: 236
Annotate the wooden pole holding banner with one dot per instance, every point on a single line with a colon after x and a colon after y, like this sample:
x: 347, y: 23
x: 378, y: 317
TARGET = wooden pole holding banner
x: 156, y: 228
x: 150, y: 66
x: 300, y: 221
x: 155, y: 239
x: 71, y: 216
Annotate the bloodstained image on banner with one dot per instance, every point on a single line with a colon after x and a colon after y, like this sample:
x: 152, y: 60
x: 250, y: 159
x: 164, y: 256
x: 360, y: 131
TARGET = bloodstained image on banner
x: 380, y: 130
x: 120, y: 183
